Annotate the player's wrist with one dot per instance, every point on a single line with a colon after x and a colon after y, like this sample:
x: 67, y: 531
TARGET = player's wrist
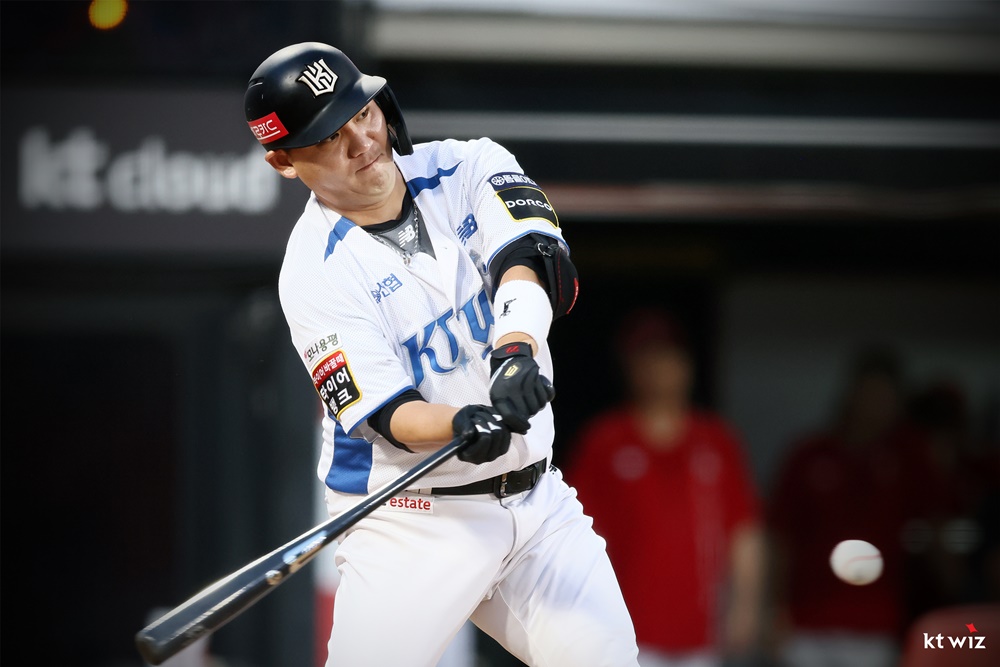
x: 512, y: 347
x: 518, y: 390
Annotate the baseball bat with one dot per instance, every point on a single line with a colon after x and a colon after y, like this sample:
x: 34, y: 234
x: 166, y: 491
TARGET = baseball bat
x: 227, y: 598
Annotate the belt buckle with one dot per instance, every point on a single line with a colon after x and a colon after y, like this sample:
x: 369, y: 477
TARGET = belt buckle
x: 502, y: 486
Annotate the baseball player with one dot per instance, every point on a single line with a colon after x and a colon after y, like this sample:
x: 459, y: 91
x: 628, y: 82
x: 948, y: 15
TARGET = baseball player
x: 419, y: 285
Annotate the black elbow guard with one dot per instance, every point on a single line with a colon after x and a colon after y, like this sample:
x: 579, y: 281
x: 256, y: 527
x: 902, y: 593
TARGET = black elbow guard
x: 547, y: 258
x: 563, y: 280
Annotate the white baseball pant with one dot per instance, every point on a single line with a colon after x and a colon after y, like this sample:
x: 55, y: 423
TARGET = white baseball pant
x: 527, y: 569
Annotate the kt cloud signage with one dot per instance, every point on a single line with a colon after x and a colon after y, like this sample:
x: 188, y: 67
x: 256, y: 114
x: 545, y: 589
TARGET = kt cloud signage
x: 145, y: 172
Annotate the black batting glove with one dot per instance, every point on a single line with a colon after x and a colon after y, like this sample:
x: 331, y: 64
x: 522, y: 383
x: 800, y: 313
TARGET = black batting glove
x: 518, y: 390
x: 480, y: 425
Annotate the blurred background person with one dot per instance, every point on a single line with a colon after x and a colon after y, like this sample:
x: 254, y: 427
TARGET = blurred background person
x: 952, y: 476
x: 984, y: 584
x: 668, y: 488
x: 846, y: 481
x: 945, y: 486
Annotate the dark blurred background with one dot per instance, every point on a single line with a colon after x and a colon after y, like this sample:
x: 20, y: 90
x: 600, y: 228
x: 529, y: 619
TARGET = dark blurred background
x: 793, y: 181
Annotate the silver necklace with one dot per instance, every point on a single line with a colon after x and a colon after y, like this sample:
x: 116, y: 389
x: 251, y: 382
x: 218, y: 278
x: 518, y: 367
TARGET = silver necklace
x: 399, y: 251
x: 405, y: 254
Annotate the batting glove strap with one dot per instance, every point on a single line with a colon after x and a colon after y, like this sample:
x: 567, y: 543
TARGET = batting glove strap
x: 518, y: 390
x: 497, y: 357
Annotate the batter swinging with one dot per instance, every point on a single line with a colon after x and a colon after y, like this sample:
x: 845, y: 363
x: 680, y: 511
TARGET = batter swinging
x: 419, y: 286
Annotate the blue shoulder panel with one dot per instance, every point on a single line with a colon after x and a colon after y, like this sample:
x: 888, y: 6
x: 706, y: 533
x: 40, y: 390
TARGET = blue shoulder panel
x: 337, y: 234
x: 416, y: 185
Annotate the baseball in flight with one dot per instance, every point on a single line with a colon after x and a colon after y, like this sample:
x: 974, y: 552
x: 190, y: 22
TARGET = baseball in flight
x: 856, y: 562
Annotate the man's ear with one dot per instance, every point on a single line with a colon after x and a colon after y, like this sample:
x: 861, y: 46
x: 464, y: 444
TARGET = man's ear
x: 279, y: 161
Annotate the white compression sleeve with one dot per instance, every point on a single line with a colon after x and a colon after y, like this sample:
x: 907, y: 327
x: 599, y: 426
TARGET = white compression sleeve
x: 524, y: 307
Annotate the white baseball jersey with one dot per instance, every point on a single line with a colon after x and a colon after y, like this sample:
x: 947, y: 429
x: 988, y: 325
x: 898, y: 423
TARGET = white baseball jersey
x: 369, y: 325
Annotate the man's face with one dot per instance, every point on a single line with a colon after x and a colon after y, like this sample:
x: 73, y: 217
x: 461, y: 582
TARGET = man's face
x: 875, y: 401
x: 660, y: 372
x: 350, y: 170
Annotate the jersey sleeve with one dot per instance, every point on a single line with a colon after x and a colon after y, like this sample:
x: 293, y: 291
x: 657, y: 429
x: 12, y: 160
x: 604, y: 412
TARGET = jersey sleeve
x: 347, y: 354
x: 506, y: 203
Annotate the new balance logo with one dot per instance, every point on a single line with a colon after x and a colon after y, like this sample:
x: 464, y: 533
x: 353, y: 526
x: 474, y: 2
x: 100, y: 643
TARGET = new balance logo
x: 407, y: 235
x: 468, y: 227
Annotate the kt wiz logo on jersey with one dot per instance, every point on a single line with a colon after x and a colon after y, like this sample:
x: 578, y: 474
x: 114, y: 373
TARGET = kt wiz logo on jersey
x: 437, y: 344
x: 523, y: 198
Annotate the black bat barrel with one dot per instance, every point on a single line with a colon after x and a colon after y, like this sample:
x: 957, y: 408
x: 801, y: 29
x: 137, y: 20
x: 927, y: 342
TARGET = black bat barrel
x: 227, y: 598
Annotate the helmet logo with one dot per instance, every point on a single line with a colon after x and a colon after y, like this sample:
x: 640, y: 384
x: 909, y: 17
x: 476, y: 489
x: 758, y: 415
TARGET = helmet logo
x: 319, y: 77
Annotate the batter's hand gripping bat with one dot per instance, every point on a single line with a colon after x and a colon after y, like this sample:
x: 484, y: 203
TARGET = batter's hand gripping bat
x: 227, y: 598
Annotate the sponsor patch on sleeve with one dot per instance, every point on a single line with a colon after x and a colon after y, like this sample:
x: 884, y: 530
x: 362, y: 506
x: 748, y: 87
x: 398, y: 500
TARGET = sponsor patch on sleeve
x: 523, y: 197
x: 336, y: 386
x: 526, y: 203
x: 320, y: 347
x: 509, y: 179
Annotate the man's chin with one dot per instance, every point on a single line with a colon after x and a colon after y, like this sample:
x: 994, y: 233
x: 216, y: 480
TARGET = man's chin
x: 378, y: 176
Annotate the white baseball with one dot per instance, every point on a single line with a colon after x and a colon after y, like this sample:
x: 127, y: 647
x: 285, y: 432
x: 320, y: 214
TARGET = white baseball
x: 857, y: 562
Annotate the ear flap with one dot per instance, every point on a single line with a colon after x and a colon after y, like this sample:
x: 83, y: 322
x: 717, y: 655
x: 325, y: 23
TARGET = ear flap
x: 386, y: 101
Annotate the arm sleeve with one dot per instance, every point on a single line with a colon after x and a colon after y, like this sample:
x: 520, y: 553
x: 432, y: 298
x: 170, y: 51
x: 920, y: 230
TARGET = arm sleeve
x: 381, y: 420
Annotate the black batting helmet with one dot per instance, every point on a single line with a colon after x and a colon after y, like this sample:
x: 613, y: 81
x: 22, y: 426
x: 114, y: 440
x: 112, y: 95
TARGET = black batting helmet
x: 305, y: 92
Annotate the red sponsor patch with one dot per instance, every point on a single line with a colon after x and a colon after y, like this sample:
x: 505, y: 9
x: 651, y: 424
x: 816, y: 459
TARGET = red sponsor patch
x: 268, y: 129
x: 335, y: 384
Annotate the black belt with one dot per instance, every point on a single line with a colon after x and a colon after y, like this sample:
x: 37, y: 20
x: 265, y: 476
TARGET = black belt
x: 501, y: 486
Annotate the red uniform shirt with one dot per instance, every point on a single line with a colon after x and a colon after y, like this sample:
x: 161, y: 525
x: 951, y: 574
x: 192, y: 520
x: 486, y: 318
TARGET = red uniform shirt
x: 668, y: 518
x: 825, y: 494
